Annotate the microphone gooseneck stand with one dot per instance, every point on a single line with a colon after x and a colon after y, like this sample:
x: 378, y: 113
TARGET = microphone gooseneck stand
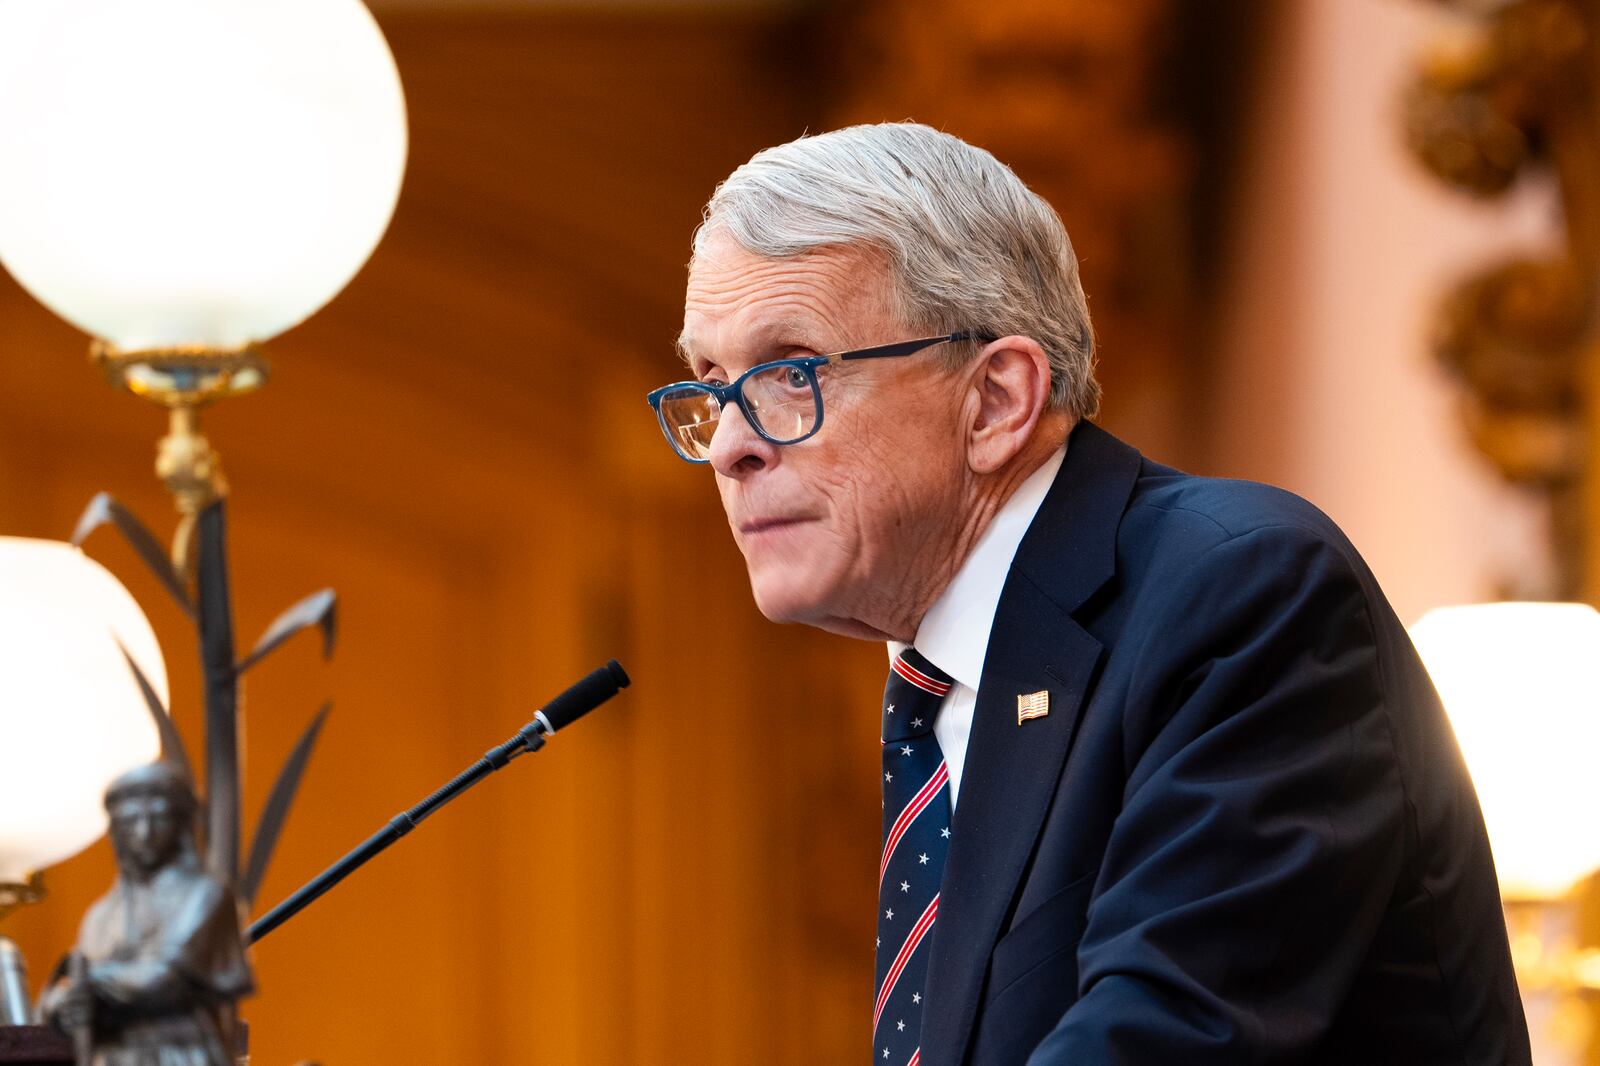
x: 574, y: 703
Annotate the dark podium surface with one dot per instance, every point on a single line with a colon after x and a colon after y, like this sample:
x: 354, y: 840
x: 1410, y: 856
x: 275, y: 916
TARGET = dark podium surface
x: 34, y: 1045
x: 40, y: 1045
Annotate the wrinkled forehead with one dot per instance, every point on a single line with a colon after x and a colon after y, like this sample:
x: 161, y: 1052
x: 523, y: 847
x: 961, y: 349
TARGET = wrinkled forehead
x: 741, y: 307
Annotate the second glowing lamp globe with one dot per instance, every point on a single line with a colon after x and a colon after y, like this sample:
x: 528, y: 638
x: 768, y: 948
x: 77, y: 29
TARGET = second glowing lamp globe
x: 193, y: 173
x: 71, y: 714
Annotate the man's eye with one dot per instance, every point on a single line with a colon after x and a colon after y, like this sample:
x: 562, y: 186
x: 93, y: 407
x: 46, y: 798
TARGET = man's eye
x: 797, y: 378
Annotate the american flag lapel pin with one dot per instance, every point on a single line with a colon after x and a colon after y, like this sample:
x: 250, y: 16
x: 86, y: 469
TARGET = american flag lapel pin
x: 1033, y: 705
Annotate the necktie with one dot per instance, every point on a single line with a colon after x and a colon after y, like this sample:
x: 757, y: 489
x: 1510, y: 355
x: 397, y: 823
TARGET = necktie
x: 916, y: 835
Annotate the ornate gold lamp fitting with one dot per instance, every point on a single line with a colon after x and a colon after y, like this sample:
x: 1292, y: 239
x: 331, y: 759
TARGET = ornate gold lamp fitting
x: 182, y: 377
x: 184, y: 380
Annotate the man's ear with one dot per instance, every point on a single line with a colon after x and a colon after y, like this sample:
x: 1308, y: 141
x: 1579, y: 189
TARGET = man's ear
x: 1011, y: 381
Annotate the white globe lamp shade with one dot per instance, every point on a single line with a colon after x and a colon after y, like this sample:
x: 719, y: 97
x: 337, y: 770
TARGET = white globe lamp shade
x: 72, y: 718
x: 1521, y: 684
x: 194, y: 173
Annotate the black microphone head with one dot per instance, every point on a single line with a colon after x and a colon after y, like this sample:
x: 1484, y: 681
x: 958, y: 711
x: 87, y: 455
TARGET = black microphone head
x: 590, y: 692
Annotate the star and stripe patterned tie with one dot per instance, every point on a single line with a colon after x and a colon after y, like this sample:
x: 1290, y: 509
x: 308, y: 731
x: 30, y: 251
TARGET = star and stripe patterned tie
x: 916, y: 835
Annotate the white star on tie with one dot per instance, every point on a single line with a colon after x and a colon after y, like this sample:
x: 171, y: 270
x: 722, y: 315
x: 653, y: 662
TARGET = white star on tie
x: 891, y: 708
x: 885, y: 1052
x: 916, y: 723
x: 877, y: 941
x: 916, y: 997
x: 906, y: 750
x: 905, y: 886
x: 945, y: 832
x: 889, y: 914
x: 887, y: 776
x: 923, y: 859
x: 900, y: 1026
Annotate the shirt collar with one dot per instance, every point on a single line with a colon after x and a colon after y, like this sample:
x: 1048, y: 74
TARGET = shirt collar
x: 954, y: 634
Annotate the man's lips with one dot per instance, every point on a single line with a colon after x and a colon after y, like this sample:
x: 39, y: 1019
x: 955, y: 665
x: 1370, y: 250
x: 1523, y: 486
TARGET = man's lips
x: 767, y: 525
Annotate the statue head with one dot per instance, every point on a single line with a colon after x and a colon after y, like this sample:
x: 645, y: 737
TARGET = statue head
x: 152, y: 817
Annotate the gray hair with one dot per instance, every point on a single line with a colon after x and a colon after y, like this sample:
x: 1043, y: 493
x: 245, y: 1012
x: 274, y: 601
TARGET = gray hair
x: 969, y: 245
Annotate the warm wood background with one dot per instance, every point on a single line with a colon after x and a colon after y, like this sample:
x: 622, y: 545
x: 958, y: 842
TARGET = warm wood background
x: 460, y: 445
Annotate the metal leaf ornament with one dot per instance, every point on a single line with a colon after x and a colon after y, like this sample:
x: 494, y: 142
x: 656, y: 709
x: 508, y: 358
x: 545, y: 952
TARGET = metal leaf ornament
x: 104, y: 510
x: 317, y: 609
x: 276, y: 812
x: 172, y: 747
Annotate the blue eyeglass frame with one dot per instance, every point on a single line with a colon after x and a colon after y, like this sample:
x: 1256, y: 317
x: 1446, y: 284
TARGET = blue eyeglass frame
x: 732, y: 394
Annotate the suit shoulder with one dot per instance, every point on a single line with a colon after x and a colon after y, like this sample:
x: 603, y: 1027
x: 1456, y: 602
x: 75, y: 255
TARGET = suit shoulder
x: 1190, y: 550
x: 1178, y: 510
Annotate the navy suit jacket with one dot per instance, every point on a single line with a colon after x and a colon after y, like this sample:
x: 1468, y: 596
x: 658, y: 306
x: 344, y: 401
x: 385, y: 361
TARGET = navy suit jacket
x: 1242, y: 834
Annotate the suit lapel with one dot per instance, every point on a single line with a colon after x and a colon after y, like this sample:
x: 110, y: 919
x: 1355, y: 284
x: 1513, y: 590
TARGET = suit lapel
x: 1012, y: 768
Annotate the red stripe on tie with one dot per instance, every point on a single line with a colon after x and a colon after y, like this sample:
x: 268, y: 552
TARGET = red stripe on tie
x: 909, y: 948
x: 920, y: 679
x: 918, y: 804
x: 916, y: 1058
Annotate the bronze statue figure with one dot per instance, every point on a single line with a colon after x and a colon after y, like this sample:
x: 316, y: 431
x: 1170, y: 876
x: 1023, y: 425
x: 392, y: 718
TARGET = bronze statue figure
x: 160, y: 958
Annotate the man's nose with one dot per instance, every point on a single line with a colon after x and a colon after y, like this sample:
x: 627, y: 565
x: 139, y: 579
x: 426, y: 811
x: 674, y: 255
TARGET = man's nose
x: 736, y: 448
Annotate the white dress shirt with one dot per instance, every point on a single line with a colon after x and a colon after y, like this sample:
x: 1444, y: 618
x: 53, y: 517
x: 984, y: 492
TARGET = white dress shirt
x: 954, y: 634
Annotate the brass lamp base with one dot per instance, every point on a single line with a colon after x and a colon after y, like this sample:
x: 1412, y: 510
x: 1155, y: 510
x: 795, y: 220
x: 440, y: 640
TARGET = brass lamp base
x: 13, y: 895
x: 184, y: 380
x: 15, y: 1007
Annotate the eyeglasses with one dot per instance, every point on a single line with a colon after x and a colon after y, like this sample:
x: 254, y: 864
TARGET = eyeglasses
x: 781, y: 400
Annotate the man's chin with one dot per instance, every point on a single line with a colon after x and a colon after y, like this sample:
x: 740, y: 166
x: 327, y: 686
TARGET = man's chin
x: 784, y: 606
x: 787, y: 595
x: 787, y: 605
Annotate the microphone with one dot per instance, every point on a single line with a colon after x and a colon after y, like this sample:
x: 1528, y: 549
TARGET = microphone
x: 589, y: 692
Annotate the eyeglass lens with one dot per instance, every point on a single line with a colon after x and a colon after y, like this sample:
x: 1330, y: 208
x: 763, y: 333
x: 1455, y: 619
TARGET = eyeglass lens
x: 690, y: 418
x: 782, y: 401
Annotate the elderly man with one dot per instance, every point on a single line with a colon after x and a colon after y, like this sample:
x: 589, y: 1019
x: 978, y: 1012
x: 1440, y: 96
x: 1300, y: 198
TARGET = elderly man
x: 1164, y: 781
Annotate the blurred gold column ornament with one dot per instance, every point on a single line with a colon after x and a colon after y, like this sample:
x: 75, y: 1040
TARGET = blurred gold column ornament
x: 1517, y: 89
